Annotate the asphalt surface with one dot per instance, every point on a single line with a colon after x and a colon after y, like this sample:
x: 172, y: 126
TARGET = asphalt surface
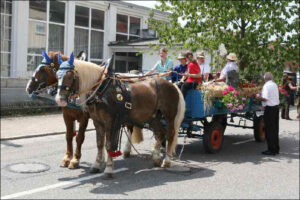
x: 238, y: 171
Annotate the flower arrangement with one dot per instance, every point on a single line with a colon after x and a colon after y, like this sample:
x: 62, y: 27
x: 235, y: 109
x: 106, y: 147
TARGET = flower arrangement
x: 232, y: 100
x: 211, y: 92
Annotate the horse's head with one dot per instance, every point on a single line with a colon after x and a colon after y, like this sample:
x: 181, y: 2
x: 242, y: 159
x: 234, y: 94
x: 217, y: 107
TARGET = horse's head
x: 68, y: 82
x: 44, y: 74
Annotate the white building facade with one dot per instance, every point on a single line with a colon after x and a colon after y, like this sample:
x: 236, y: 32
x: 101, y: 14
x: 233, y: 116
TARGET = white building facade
x: 29, y: 27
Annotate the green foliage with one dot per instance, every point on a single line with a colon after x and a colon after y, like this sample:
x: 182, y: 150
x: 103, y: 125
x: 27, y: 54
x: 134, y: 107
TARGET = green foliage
x: 247, y: 28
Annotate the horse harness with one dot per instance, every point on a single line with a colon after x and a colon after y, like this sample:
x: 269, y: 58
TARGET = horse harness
x: 114, y: 96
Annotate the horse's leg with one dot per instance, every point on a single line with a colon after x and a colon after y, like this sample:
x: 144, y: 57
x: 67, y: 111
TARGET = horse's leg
x: 159, y: 131
x: 98, y: 165
x: 69, y: 137
x: 79, y: 141
x: 170, y: 138
x: 109, y: 169
x: 127, y: 148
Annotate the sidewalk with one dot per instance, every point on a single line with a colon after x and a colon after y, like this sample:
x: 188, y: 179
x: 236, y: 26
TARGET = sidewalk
x: 52, y: 124
x: 37, y: 125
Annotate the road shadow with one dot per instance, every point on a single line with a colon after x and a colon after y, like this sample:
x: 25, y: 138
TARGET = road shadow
x: 10, y: 144
x: 141, y: 174
x: 241, y: 149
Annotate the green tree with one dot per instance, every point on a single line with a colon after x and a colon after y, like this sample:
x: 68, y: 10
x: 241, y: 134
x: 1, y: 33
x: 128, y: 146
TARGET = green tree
x: 263, y: 34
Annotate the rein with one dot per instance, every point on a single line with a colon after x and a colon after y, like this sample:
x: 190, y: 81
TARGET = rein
x: 111, y: 77
x: 45, y: 88
x: 88, y: 89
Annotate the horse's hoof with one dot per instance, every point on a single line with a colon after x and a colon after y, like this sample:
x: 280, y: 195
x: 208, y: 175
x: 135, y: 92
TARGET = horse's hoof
x: 74, y: 164
x: 65, y: 163
x: 156, y: 163
x: 166, y: 164
x: 107, y: 176
x: 94, y: 170
x: 126, y: 154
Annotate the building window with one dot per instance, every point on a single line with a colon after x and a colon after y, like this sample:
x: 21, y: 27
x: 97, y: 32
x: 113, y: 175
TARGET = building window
x: 127, y: 61
x: 40, y: 29
x: 6, y: 12
x: 89, y: 33
x: 46, y: 30
x: 128, y: 28
x: 151, y: 32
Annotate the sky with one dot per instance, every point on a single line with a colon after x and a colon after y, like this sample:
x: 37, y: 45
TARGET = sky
x: 149, y: 4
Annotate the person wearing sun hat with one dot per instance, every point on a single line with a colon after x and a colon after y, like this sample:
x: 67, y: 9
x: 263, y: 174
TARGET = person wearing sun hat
x: 204, y: 67
x: 179, y: 69
x: 229, y: 73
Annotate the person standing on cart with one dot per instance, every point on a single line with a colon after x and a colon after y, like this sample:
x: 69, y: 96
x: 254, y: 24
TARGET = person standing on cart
x: 179, y: 69
x: 270, y: 101
x: 204, y: 67
x: 192, y: 76
x: 229, y: 73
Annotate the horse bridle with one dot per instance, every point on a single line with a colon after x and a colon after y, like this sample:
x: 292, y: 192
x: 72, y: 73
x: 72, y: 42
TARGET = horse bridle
x: 43, y: 82
x: 73, y: 89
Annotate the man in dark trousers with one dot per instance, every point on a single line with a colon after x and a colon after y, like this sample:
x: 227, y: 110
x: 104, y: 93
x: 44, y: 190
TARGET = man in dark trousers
x: 270, y: 101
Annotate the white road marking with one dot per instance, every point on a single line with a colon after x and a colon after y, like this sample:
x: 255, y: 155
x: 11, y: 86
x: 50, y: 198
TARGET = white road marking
x: 48, y: 187
x: 245, y: 141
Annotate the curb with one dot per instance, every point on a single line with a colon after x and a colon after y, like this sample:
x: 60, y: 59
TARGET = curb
x: 37, y: 135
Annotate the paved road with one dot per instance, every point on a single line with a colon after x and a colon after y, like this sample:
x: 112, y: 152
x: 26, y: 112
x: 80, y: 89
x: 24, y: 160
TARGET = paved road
x: 238, y: 171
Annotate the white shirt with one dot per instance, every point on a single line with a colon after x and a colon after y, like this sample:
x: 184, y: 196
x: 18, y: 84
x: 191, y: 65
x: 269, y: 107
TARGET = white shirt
x: 271, y: 93
x: 228, y: 67
x: 205, y: 68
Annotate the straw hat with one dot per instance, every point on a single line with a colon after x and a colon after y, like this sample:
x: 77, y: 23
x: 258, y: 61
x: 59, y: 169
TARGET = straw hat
x: 180, y: 56
x: 200, y: 54
x: 134, y: 71
x: 231, y: 56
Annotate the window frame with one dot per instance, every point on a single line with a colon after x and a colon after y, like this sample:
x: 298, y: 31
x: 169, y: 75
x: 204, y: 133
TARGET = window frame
x: 90, y: 29
x: 2, y: 51
x: 47, y: 22
x: 128, y: 26
x: 127, y: 59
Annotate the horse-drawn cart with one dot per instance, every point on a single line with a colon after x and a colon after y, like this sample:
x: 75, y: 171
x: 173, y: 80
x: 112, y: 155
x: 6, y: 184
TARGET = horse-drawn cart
x: 196, y: 120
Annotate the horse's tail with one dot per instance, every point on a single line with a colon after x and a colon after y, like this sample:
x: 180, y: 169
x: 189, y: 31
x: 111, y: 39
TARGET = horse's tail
x: 179, y: 117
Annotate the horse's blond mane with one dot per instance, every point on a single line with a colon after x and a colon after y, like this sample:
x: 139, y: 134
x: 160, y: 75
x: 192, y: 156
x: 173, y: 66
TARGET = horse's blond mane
x: 88, y: 73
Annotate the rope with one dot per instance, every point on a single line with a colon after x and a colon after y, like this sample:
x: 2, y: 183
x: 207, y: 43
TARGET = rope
x: 123, y: 78
x: 184, y: 142
x: 138, y: 153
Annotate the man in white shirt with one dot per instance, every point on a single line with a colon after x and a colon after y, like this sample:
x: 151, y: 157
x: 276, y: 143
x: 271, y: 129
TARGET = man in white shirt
x: 270, y: 101
x: 230, y: 66
x: 204, y: 67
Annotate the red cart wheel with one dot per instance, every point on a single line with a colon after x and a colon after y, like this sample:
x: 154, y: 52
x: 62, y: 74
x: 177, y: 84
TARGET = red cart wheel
x: 259, y: 129
x: 213, y: 137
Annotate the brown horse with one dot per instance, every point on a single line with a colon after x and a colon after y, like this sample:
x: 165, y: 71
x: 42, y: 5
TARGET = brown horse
x: 45, y: 75
x: 150, y: 101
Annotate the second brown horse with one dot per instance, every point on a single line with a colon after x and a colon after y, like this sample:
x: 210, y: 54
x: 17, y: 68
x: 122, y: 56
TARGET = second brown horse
x: 45, y: 75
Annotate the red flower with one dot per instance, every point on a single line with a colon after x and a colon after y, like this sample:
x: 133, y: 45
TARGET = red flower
x: 225, y: 92
x: 230, y: 88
